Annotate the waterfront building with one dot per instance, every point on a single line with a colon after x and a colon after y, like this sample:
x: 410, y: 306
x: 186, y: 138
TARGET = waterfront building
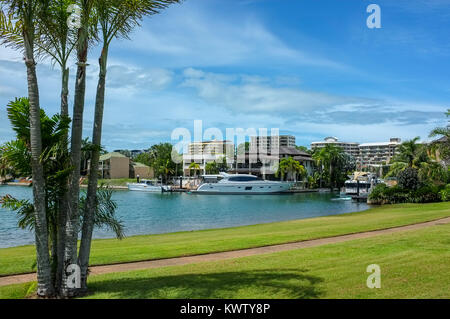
x: 365, y: 154
x: 140, y: 169
x: 114, y: 165
x: 206, y: 152
x: 261, y: 142
x: 351, y: 148
x: 379, y: 153
x: 117, y: 165
x: 262, y: 163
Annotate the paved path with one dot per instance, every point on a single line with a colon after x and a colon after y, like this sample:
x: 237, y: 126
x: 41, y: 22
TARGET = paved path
x: 97, y: 270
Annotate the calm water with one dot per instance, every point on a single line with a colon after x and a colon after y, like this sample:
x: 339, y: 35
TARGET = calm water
x: 144, y: 213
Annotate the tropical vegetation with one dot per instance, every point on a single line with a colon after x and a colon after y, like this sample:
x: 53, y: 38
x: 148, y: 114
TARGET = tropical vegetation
x: 58, y: 30
x: 291, y: 169
x: 421, y: 176
x: 333, y: 166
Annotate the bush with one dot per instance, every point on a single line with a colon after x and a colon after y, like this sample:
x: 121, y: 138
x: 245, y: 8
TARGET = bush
x: 408, y: 178
x: 382, y: 194
x: 445, y: 193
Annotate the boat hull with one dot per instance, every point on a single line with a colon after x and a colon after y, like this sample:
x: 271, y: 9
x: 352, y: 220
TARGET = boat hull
x: 148, y: 188
x: 242, y: 188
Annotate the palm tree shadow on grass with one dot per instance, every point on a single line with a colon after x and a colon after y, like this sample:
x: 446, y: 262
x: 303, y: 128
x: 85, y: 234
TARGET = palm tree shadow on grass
x: 286, y: 283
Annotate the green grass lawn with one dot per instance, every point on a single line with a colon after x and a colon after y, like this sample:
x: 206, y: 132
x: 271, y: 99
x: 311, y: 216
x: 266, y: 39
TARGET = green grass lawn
x: 414, y: 264
x: 105, y: 251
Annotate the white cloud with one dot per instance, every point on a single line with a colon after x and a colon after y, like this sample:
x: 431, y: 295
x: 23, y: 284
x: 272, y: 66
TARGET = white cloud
x: 188, y: 35
x: 129, y: 77
x: 238, y: 94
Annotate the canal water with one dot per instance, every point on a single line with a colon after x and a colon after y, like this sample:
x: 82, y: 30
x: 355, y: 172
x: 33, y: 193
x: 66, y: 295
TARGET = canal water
x: 146, y: 213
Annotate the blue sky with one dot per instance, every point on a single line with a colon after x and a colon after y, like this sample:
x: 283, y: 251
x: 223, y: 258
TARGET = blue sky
x: 310, y: 68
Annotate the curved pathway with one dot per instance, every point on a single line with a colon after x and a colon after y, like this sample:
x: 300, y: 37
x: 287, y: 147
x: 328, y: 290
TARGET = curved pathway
x: 139, y: 265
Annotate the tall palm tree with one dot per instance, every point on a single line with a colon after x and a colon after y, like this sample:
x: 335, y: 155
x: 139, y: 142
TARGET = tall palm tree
x: 331, y: 159
x: 73, y: 213
x: 26, y: 12
x: 116, y: 19
x: 53, y: 39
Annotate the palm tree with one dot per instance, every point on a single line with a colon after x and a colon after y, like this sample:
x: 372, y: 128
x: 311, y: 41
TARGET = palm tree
x: 441, y: 148
x: 26, y: 12
x: 331, y: 160
x: 73, y: 213
x: 414, y: 155
x: 290, y: 168
x: 116, y: 18
x: 409, y: 154
x: 56, y: 163
x: 211, y: 168
x: 53, y: 39
x: 194, y: 167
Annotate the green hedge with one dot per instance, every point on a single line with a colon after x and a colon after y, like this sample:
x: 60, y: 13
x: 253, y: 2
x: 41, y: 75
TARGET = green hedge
x: 382, y: 194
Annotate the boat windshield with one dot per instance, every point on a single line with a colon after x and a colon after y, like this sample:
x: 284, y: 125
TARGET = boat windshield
x: 243, y: 178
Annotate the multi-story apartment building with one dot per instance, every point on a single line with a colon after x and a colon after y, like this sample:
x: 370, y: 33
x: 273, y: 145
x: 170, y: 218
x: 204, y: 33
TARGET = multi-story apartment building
x: 377, y: 153
x: 365, y: 154
x: 351, y: 148
x: 266, y: 142
x: 208, y: 151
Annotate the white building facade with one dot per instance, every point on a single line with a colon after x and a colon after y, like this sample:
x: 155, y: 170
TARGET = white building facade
x: 206, y: 152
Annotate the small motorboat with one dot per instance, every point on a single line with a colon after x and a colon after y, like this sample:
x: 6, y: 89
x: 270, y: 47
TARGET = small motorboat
x: 150, y: 186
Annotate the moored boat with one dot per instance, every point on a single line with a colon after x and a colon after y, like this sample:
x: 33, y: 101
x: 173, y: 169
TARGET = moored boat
x: 148, y: 186
x: 360, y: 183
x: 242, y: 184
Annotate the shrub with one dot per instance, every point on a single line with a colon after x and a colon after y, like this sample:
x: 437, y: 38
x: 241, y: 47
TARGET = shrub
x: 408, y: 178
x: 445, y: 193
x: 382, y: 194
x: 426, y: 194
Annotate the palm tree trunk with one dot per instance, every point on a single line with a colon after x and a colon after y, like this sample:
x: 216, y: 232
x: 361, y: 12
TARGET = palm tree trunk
x: 63, y: 197
x: 331, y: 177
x: 45, y: 284
x: 72, y: 221
x: 88, y: 222
x: 64, y: 91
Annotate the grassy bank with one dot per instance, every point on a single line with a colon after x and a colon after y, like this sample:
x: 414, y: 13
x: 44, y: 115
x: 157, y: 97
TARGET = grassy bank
x: 414, y: 264
x: 105, y: 251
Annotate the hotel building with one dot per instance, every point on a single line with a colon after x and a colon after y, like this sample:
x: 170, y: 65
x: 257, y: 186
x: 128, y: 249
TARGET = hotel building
x: 259, y: 142
x: 351, y: 148
x: 206, y: 152
x: 365, y: 154
x: 377, y: 153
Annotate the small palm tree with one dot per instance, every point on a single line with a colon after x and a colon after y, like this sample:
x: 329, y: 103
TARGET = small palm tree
x: 211, y: 168
x: 291, y: 168
x: 441, y: 148
x: 194, y: 167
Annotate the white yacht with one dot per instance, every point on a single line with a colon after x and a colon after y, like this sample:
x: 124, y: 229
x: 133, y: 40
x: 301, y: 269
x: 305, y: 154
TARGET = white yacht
x: 240, y: 184
x: 151, y: 186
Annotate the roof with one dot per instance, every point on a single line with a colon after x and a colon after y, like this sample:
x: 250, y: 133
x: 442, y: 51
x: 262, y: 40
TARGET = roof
x: 137, y: 164
x: 303, y: 158
x: 286, y: 150
x: 109, y: 155
x: 441, y: 140
x: 379, y: 144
